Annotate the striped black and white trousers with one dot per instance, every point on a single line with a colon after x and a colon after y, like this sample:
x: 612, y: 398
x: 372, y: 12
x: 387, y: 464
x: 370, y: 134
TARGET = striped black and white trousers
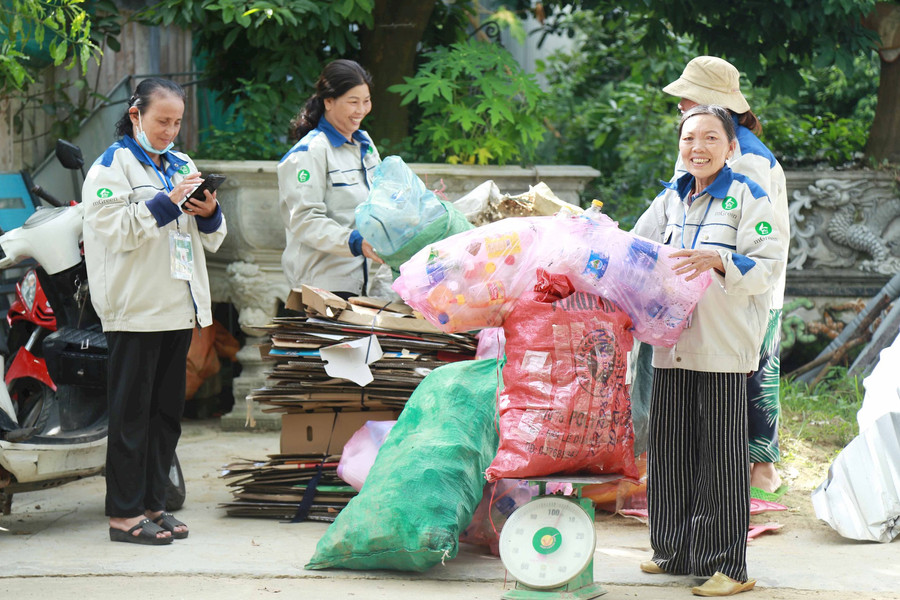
x: 698, y: 479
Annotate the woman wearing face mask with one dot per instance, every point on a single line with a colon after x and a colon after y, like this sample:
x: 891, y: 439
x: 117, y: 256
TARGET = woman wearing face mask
x: 322, y: 180
x: 698, y: 480
x: 147, y: 270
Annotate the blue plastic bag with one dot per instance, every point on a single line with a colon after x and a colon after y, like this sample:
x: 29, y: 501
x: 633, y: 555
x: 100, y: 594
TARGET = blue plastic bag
x: 398, y: 207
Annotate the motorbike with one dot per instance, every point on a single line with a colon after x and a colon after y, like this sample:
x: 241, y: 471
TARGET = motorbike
x: 53, y: 408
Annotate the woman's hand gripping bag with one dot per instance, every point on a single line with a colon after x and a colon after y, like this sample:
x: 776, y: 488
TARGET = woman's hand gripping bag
x: 565, y: 406
x: 427, y: 479
x: 401, y: 216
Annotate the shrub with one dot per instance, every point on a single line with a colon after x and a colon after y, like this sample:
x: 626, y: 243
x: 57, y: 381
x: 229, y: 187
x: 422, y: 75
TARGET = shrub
x: 478, y: 106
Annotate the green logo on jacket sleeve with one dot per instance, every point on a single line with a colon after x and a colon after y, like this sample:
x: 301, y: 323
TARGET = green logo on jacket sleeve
x: 184, y: 170
x: 104, y: 193
x: 763, y: 228
x: 729, y: 203
x: 303, y: 176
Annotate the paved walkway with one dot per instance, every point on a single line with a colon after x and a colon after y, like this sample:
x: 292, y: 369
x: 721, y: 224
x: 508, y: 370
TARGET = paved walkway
x: 57, y: 546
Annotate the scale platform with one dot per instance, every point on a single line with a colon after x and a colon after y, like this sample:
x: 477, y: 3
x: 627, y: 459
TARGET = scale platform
x: 548, y: 544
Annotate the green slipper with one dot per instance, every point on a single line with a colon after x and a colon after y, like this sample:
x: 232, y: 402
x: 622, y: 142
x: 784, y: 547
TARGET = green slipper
x: 761, y: 494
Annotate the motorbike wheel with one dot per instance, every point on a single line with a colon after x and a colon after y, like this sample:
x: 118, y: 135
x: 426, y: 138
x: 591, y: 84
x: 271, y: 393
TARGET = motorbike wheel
x: 175, y: 490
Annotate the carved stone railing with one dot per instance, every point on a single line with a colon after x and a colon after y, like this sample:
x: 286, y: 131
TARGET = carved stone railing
x: 246, y: 271
x: 845, y: 233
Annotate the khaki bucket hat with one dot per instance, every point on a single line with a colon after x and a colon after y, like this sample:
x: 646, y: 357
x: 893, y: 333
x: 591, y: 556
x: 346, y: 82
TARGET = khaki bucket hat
x: 710, y: 80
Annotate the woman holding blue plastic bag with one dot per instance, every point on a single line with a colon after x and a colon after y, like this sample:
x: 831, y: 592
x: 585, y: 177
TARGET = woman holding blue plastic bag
x: 321, y: 181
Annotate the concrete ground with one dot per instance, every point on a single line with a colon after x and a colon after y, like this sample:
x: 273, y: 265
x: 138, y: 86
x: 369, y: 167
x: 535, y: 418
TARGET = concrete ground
x: 56, y: 545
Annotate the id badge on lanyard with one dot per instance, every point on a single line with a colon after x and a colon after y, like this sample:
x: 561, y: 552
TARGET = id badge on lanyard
x: 181, y: 256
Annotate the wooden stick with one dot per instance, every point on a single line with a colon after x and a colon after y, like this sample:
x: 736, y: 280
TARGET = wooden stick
x: 863, y: 326
x: 838, y: 355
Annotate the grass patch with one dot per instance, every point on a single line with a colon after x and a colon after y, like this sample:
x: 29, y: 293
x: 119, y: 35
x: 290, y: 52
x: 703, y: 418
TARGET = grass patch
x: 825, y: 415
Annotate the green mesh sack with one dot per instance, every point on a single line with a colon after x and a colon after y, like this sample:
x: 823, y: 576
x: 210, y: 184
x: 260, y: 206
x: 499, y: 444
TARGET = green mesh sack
x: 427, y: 479
x: 451, y: 223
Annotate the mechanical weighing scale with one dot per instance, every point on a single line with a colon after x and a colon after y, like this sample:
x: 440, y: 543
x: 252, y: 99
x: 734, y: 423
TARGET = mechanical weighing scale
x: 548, y: 544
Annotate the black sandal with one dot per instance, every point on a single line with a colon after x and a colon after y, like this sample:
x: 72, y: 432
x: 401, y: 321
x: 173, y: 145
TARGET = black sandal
x: 147, y: 536
x: 168, y: 522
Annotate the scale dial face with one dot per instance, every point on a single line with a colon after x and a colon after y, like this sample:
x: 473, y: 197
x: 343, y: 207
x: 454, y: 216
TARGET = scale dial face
x: 547, y: 542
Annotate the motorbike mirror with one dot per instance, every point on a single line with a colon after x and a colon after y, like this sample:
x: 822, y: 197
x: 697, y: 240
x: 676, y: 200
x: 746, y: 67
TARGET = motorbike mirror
x: 69, y: 154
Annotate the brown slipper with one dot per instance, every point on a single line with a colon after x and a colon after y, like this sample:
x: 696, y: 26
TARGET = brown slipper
x: 721, y: 584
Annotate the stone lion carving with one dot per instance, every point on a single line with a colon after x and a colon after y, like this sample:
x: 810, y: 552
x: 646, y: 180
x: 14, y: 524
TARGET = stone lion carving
x: 255, y: 293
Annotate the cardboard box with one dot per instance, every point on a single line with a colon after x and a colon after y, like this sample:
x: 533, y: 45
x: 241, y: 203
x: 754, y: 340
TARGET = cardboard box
x: 325, y: 433
x: 319, y: 300
x: 361, y: 315
x: 378, y: 303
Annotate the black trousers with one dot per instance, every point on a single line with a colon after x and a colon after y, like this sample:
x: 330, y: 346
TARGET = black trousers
x: 698, y: 473
x: 146, y: 402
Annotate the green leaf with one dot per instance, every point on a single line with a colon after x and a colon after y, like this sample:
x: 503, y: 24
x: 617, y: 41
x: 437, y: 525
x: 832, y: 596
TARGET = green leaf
x: 58, y: 51
x: 16, y: 71
x: 484, y: 156
x: 466, y: 118
x: 230, y: 37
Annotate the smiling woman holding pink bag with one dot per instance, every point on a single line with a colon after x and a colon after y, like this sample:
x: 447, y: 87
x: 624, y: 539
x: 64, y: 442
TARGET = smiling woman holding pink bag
x: 698, y: 487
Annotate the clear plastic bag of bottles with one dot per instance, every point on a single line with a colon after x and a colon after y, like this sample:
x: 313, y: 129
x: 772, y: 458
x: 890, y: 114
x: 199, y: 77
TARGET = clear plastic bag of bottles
x: 398, y: 207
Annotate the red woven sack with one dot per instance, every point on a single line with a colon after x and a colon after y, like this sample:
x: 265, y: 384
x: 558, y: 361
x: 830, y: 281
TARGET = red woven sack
x: 565, y: 407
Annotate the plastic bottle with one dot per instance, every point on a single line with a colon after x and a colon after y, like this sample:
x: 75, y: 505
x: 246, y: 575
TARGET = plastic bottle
x: 595, y: 210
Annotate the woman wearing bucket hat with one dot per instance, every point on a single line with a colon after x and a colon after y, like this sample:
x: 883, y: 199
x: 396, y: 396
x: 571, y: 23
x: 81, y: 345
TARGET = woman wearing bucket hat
x: 711, y: 80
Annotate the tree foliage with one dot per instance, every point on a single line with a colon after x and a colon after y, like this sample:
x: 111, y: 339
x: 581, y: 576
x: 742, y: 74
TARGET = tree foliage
x: 37, y: 33
x: 606, y: 107
x: 262, y: 51
x: 279, y: 42
x: 608, y: 110
x: 768, y: 39
x: 478, y: 105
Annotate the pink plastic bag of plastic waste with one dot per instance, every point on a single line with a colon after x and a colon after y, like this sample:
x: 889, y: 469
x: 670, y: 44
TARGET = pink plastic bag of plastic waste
x: 491, y: 343
x: 360, y: 451
x: 472, y: 280
x: 500, y: 499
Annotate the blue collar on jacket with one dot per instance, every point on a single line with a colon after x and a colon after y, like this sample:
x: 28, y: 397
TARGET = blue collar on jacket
x: 717, y: 189
x: 337, y: 138
x: 172, y: 161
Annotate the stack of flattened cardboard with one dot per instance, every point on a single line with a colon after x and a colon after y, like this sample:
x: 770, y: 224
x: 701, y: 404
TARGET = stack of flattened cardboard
x: 410, y: 348
x: 320, y: 411
x: 275, y: 488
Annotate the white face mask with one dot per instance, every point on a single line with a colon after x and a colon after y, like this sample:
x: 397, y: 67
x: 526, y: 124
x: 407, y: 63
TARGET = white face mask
x: 141, y: 138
